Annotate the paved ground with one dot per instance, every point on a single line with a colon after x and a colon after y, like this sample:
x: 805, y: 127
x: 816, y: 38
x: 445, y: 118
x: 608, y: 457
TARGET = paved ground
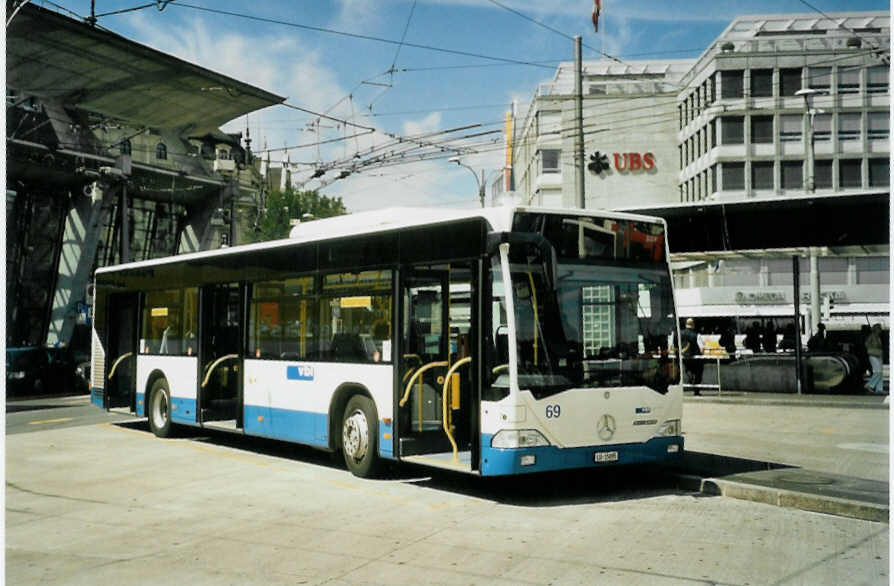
x: 846, y: 435
x: 111, y: 504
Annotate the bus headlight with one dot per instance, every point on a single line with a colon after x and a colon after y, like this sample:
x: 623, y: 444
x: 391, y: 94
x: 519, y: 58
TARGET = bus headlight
x: 671, y: 427
x: 518, y: 438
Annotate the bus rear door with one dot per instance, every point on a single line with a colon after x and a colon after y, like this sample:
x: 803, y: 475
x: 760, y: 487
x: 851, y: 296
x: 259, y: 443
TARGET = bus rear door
x: 121, y: 351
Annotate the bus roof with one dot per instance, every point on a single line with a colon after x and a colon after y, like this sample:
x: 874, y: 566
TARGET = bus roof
x: 383, y: 220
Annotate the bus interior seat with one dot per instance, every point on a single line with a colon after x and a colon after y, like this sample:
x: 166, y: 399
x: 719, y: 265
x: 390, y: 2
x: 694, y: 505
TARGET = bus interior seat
x: 348, y: 348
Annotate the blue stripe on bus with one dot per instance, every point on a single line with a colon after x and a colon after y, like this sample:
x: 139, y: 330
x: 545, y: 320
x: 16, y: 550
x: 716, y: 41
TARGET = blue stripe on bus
x: 141, y: 406
x: 96, y: 396
x: 499, y: 462
x: 386, y: 444
x: 183, y: 410
x: 304, y: 427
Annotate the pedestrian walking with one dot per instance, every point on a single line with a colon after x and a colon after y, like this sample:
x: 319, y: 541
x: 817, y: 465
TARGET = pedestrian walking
x: 689, y: 348
x: 874, y: 349
x: 818, y: 342
x: 753, y: 337
x: 728, y: 341
x: 768, y: 340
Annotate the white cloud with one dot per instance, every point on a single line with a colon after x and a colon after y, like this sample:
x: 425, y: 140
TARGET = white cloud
x: 305, y: 80
x: 430, y: 123
x: 308, y: 82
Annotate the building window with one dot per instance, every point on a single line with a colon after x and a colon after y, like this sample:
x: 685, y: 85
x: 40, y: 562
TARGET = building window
x: 790, y: 127
x: 161, y: 151
x: 762, y: 175
x: 732, y: 130
x: 822, y: 127
x: 761, y: 83
x: 878, y: 125
x: 822, y: 174
x: 849, y: 173
x: 792, y: 174
x: 124, y: 147
x: 549, y: 161
x: 680, y: 112
x: 731, y: 84
x: 712, y: 133
x: 849, y: 126
x: 789, y: 81
x: 879, y: 172
x: 819, y: 78
x: 877, y: 80
x: 848, y: 80
x: 761, y: 129
x: 733, y: 176
x: 713, y: 178
x: 712, y: 90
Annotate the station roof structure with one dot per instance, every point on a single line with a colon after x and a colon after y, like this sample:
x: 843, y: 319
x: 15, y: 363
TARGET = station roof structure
x: 52, y: 56
x: 834, y: 220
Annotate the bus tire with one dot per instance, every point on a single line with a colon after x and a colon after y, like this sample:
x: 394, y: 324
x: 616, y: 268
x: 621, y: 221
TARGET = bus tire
x: 159, y: 411
x: 359, y: 436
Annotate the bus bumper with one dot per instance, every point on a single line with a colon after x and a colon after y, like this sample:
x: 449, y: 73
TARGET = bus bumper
x: 501, y: 462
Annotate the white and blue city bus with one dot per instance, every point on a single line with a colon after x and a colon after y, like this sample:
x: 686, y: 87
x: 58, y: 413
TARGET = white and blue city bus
x: 495, y: 342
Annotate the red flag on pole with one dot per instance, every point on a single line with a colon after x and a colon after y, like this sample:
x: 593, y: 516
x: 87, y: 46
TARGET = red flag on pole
x: 597, y: 8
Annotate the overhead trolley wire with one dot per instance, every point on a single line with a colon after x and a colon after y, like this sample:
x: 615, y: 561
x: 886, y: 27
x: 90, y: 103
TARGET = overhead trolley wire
x: 357, y: 35
x: 558, y: 32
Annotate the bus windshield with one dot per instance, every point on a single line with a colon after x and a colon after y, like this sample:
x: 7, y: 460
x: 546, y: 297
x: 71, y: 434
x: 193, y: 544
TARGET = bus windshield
x: 596, y: 314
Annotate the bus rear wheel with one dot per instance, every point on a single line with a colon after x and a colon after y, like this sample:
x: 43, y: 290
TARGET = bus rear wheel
x: 160, y: 409
x: 359, y: 437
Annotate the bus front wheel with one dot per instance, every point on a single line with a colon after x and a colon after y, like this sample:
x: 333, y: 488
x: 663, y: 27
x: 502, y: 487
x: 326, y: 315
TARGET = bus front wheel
x: 160, y: 409
x: 359, y: 436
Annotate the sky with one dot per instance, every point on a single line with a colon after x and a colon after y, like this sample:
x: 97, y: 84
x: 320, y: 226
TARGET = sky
x: 411, y: 68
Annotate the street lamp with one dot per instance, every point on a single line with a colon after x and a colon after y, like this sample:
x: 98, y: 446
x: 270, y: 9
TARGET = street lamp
x: 480, y: 181
x: 808, y: 93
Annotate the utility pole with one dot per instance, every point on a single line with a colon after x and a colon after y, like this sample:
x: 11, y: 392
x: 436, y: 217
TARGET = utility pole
x: 815, y: 316
x: 579, y: 162
x: 579, y: 147
x: 796, y: 277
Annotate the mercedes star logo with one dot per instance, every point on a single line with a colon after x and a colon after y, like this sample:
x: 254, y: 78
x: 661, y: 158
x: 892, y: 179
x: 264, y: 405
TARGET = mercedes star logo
x: 605, y: 427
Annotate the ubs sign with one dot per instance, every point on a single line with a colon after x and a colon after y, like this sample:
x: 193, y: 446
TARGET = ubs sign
x: 622, y: 162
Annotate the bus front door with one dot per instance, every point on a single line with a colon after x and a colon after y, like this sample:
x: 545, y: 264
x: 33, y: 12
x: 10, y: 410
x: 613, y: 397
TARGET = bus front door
x: 121, y: 353
x: 220, y: 355
x: 437, y: 355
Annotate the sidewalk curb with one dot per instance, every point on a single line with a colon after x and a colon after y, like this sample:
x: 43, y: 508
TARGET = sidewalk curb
x: 779, y: 402
x: 785, y: 498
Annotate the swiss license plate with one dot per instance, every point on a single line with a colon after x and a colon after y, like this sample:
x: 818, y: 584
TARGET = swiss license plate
x: 606, y: 457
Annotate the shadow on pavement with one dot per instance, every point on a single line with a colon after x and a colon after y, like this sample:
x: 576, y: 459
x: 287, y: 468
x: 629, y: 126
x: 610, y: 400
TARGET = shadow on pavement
x: 704, y: 464
x: 561, y: 488
x: 17, y: 408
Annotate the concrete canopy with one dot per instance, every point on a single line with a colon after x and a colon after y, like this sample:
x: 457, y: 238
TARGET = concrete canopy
x: 52, y: 56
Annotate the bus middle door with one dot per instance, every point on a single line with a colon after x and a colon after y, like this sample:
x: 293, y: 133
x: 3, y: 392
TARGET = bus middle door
x: 220, y: 355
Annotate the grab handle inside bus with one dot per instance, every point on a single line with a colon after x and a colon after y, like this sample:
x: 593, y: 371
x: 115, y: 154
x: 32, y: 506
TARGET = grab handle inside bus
x: 403, y: 400
x: 214, y: 365
x: 117, y: 362
x: 446, y: 418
